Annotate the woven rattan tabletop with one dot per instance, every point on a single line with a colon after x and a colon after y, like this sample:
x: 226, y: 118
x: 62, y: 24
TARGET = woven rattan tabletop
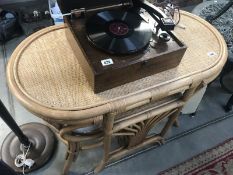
x: 44, y: 70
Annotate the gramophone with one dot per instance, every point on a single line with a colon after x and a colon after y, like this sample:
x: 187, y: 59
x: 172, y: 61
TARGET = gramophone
x: 122, y: 40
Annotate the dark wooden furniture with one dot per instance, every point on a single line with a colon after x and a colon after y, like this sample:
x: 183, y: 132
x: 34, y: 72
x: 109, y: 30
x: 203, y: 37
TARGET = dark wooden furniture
x: 125, y: 68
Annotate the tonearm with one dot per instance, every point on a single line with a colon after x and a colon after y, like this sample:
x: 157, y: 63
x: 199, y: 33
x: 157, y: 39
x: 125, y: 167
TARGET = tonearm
x: 164, y: 22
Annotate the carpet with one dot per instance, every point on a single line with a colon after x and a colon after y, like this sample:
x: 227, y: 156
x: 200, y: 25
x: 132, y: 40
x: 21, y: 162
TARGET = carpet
x: 215, y: 161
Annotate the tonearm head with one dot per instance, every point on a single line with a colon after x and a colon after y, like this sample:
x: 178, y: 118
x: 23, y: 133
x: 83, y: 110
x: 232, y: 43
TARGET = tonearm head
x: 164, y: 22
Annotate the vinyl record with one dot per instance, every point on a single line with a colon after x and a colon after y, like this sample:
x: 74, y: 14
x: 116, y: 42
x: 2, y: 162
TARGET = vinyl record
x: 118, y: 32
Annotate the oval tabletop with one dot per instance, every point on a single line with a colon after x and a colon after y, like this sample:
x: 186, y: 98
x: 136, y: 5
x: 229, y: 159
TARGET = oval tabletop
x: 44, y: 72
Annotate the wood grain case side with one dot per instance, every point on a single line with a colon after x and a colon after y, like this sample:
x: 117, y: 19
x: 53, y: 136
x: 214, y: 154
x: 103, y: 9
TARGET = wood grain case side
x: 117, y: 77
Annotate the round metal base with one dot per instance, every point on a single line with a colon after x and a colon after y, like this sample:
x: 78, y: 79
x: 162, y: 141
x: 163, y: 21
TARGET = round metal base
x: 43, y: 145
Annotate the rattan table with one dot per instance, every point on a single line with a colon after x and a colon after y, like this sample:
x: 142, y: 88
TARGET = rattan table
x: 45, y: 76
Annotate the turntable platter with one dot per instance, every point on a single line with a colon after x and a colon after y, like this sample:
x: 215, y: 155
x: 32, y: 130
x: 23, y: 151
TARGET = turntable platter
x: 118, y: 32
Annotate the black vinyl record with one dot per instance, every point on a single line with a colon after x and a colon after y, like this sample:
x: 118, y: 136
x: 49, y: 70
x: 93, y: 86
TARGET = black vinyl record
x: 118, y: 32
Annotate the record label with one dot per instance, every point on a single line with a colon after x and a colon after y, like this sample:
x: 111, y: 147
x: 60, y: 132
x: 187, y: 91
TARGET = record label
x: 118, y: 28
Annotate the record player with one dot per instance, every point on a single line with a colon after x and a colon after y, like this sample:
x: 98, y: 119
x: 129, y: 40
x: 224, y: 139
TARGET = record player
x: 122, y: 40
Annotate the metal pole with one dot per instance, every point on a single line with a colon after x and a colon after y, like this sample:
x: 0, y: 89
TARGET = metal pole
x: 8, y: 119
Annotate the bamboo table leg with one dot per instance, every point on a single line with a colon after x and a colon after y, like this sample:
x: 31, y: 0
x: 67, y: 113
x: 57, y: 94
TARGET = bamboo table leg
x: 176, y: 123
x: 72, y: 151
x: 108, y: 125
x: 172, y: 119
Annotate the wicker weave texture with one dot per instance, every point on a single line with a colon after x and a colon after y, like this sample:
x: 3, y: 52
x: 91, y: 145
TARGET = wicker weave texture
x: 47, y: 71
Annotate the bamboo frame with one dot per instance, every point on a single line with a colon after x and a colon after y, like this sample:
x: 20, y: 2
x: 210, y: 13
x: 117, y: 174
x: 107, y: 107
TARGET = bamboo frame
x: 171, y: 110
x: 64, y: 121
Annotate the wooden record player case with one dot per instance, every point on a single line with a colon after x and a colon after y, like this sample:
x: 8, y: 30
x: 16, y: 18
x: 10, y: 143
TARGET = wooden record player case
x: 105, y: 71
